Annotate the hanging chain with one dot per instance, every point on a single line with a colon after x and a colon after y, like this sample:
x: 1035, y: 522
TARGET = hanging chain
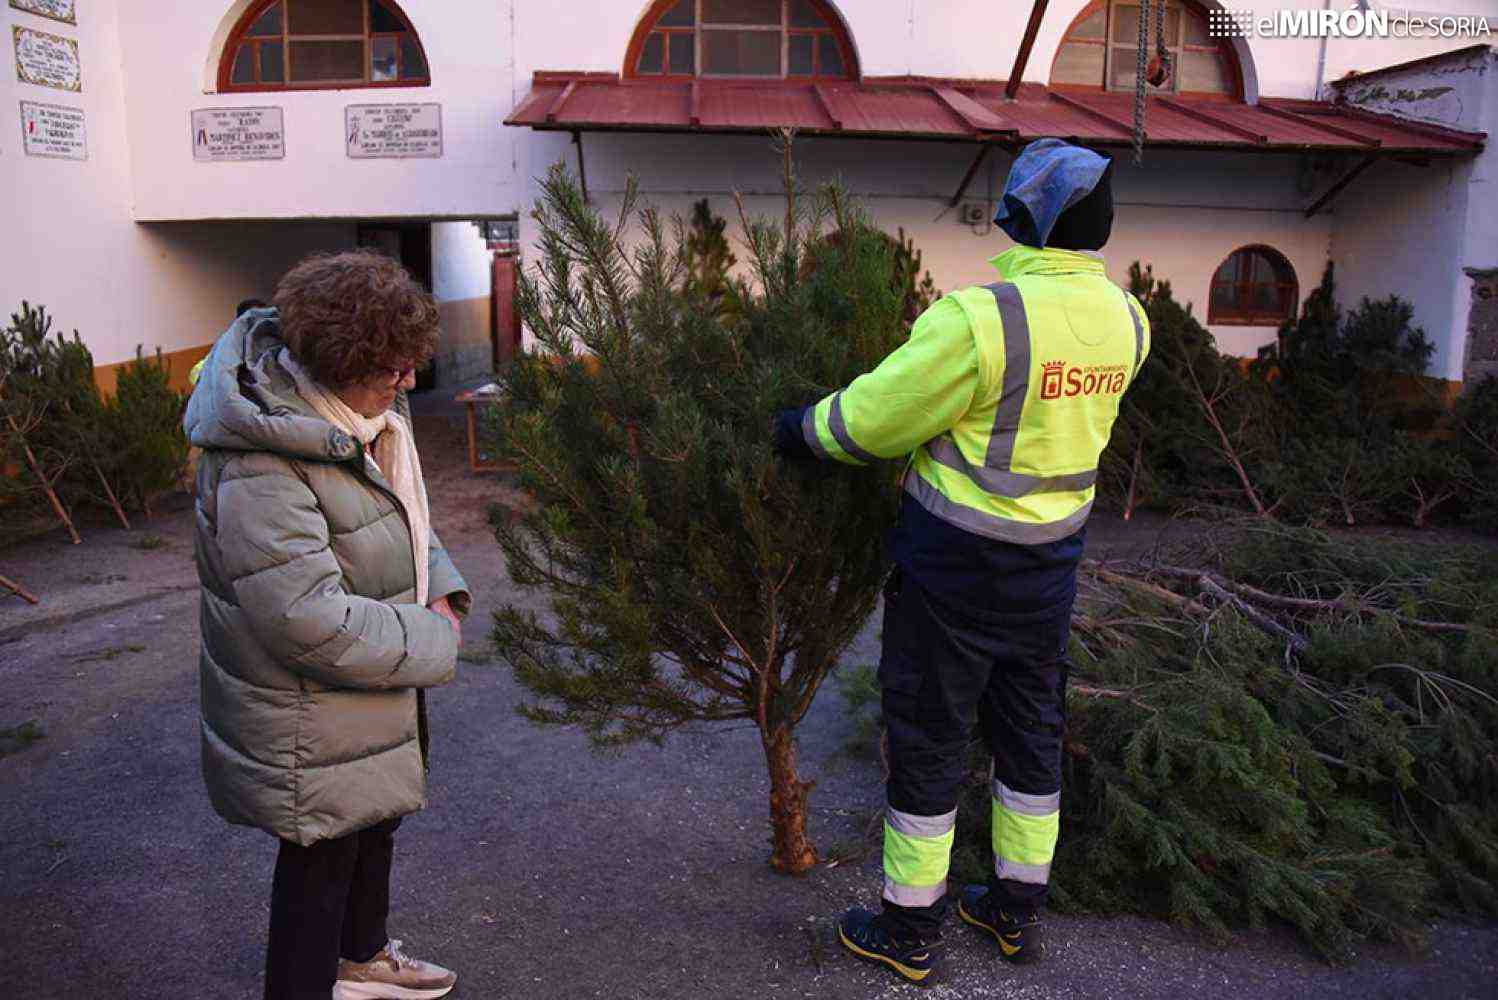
x: 1139, y: 70
x: 1161, y: 52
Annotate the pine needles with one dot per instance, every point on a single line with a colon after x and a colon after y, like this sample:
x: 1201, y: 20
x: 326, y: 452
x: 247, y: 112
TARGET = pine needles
x: 1305, y: 729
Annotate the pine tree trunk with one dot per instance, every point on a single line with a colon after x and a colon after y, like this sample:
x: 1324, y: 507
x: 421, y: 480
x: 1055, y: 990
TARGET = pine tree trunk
x: 794, y: 854
x: 109, y: 492
x: 40, y: 474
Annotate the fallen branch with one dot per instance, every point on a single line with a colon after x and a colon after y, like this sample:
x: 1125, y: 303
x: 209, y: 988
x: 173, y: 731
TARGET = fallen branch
x: 19, y: 590
x: 1310, y: 604
x: 1297, y: 642
x: 1190, y: 607
x: 1088, y: 691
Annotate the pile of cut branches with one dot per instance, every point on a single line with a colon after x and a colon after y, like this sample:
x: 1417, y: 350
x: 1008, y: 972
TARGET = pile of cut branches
x: 1292, y: 727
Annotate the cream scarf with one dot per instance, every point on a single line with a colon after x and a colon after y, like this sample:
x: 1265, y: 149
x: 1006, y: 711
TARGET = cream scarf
x: 390, y: 447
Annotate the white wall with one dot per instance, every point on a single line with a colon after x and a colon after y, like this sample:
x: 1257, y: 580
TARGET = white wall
x: 460, y: 262
x: 169, y: 62
x: 1411, y: 230
x: 70, y: 243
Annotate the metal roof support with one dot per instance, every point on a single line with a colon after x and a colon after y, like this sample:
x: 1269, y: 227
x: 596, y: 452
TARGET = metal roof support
x: 1258, y: 138
x: 582, y: 169
x: 1418, y: 128
x: 1341, y: 183
x: 1310, y: 122
x: 1093, y: 113
x: 1037, y: 14
x: 556, y: 105
x: 825, y: 100
x: 972, y: 171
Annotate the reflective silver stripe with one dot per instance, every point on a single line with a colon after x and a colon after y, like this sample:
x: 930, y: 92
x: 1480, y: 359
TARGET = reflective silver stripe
x: 914, y: 895
x: 1023, y: 802
x: 1007, y: 484
x: 809, y: 432
x: 990, y: 525
x: 840, y: 431
x: 1016, y: 375
x: 1138, y: 334
x: 920, y: 826
x: 1034, y: 874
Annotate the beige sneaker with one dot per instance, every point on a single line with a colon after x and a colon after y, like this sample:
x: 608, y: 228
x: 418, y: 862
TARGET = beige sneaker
x: 392, y: 975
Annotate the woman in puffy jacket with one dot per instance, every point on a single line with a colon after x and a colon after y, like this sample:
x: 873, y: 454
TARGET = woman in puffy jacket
x: 328, y: 607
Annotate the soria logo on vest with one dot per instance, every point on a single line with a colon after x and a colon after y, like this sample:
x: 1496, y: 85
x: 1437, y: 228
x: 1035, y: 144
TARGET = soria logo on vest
x: 1057, y: 379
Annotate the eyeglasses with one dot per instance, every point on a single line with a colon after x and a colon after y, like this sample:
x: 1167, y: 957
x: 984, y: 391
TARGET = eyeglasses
x: 395, y: 376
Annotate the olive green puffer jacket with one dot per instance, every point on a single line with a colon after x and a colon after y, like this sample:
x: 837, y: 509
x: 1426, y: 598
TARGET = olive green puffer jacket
x: 314, y: 652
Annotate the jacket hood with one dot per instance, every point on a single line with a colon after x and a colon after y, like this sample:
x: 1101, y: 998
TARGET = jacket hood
x: 1047, y: 260
x: 245, y: 400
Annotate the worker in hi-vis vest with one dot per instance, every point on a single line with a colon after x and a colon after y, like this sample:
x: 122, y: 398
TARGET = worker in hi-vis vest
x: 1006, y: 393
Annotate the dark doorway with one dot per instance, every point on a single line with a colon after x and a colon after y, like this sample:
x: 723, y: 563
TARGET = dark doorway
x: 411, y: 244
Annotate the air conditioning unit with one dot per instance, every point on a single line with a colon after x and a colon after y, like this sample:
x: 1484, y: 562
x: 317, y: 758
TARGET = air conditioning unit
x: 973, y: 213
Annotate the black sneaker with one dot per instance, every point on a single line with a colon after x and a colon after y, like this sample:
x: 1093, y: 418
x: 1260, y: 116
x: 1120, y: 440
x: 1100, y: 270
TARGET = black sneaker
x: 1018, y: 933
x: 866, y: 936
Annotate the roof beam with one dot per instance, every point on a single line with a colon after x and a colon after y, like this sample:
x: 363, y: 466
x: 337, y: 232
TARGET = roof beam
x: 1341, y: 183
x: 825, y: 101
x: 555, y: 106
x: 974, y: 115
x: 1418, y: 128
x: 1092, y: 113
x: 1037, y: 14
x: 1259, y: 138
x: 1310, y: 122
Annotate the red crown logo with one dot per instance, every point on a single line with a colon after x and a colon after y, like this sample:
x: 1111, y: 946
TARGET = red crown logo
x: 1050, y: 379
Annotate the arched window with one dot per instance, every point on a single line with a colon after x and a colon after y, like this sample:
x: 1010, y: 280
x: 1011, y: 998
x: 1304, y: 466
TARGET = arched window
x: 1255, y: 286
x: 322, y: 44
x: 1101, y: 50
x: 753, y: 39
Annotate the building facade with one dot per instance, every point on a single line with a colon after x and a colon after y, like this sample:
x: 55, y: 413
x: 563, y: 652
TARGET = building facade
x: 166, y: 165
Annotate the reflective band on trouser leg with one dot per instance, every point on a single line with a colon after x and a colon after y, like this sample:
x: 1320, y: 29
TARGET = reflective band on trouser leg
x: 1024, y: 833
x: 917, y: 853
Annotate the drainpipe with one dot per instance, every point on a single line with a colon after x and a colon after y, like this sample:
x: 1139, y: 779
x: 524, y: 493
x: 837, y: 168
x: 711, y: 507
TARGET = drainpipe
x: 1363, y: 5
x: 1321, y: 57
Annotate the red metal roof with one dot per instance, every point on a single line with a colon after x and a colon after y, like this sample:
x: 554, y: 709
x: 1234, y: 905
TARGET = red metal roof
x: 926, y: 108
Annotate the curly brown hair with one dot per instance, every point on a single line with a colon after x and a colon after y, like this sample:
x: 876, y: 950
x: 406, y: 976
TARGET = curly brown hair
x: 349, y: 316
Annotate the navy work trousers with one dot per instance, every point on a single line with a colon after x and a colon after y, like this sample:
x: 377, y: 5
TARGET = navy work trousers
x: 947, y: 668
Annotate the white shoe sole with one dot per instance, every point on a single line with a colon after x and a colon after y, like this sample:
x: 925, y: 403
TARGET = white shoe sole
x: 344, y: 990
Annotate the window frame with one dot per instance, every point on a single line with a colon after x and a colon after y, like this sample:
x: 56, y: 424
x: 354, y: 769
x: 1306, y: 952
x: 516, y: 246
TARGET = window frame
x: 1223, y: 49
x: 1277, y: 260
x: 240, y: 36
x: 649, y: 24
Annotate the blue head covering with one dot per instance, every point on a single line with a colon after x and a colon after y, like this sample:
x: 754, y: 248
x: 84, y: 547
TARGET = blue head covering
x: 1048, y: 177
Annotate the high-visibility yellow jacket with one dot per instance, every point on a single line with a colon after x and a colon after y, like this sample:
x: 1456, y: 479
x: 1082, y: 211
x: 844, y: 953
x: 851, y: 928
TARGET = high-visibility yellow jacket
x: 1007, y: 393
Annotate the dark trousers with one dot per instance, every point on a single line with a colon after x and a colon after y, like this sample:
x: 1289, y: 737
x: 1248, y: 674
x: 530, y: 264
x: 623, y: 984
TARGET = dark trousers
x: 947, y: 668
x: 327, y: 901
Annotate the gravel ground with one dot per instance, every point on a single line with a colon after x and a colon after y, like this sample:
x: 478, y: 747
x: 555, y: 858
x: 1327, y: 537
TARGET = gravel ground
x: 540, y: 869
